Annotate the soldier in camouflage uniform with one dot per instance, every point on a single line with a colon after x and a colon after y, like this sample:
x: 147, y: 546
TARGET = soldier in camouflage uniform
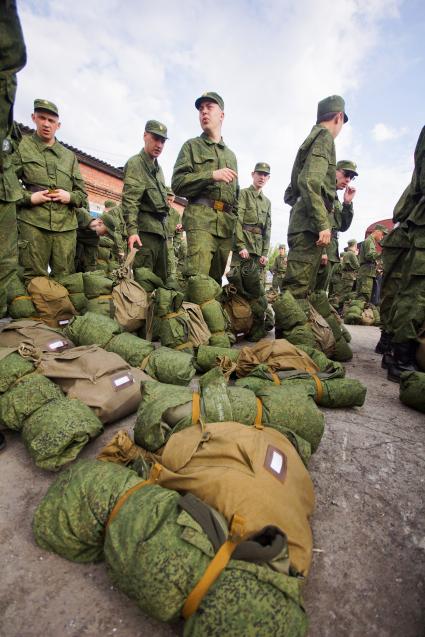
x: 350, y: 268
x: 340, y: 219
x: 52, y: 189
x: 114, y: 209
x: 408, y: 308
x: 174, y: 232
x: 312, y: 193
x: 144, y: 202
x: 368, y: 258
x: 12, y: 59
x: 278, y: 268
x: 206, y: 173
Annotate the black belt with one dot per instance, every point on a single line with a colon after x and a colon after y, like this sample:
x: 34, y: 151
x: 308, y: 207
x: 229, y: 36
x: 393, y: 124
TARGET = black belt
x: 334, y: 234
x: 252, y: 228
x: 37, y: 188
x: 215, y: 204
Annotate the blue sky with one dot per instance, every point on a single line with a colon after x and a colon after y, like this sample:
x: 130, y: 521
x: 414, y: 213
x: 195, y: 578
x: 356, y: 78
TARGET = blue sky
x: 110, y: 66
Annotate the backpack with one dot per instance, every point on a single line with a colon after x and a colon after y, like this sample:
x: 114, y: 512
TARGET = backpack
x: 322, y: 332
x: 240, y: 313
x: 51, y: 300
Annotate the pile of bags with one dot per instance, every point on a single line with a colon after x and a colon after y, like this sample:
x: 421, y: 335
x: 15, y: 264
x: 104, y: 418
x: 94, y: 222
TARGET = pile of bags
x: 173, y: 319
x: 358, y: 312
x: 342, y: 351
x: 19, y: 303
x: 203, y: 290
x: 34, y: 333
x: 98, y: 290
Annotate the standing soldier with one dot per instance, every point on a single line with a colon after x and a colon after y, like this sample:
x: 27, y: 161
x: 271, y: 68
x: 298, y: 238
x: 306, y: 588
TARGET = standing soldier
x: 350, y: 268
x: 206, y: 173
x: 53, y: 190
x: 12, y: 59
x: 144, y: 202
x: 278, y: 268
x: 340, y: 219
x: 368, y: 258
x: 312, y: 194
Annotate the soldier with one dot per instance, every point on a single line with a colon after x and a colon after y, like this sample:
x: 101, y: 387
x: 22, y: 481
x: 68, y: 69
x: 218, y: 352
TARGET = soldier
x: 144, y: 202
x: 114, y: 209
x: 350, y: 268
x: 368, y: 258
x: 408, y: 309
x: 12, y: 59
x: 206, y: 173
x: 174, y: 235
x: 53, y: 189
x: 312, y: 194
x: 111, y: 250
x: 340, y: 219
x: 278, y: 268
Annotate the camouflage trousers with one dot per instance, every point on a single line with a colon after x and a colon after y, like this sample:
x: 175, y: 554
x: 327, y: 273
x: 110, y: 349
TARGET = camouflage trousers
x: 394, y: 252
x: 408, y: 309
x: 324, y: 274
x: 207, y: 254
x: 152, y: 254
x: 40, y: 248
x: 303, y: 264
x: 277, y: 283
x: 8, y: 249
x: 171, y: 259
x: 364, y: 285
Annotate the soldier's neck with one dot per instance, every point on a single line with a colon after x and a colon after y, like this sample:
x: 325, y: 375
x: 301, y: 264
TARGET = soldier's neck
x: 213, y: 134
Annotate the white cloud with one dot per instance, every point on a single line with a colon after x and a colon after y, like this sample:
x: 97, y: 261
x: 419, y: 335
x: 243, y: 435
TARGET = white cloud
x: 382, y: 132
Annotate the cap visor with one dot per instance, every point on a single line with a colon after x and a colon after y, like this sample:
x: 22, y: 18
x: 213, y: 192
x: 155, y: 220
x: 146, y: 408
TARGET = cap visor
x: 345, y: 118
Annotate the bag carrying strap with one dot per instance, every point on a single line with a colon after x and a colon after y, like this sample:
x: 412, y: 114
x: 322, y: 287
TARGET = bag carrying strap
x: 215, y: 567
x: 196, y: 407
x: 259, y: 415
x: 319, y: 387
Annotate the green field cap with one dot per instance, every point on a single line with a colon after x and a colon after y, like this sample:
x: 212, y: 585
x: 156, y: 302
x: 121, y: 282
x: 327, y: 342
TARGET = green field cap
x: 156, y: 128
x: 282, y: 245
x: 347, y: 165
x: 212, y: 97
x: 110, y: 203
x: 45, y: 105
x: 262, y: 167
x: 352, y: 242
x: 380, y: 227
x: 331, y: 104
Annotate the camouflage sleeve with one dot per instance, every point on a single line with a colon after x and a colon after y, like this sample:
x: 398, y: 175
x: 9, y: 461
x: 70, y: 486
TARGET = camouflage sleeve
x: 25, y: 201
x: 12, y: 59
x: 134, y: 188
x: 84, y: 218
x: 267, y: 232
x: 78, y: 194
x: 311, y: 178
x: 352, y: 261
x: 185, y: 181
x: 347, y: 213
x: 370, y: 252
x: 239, y: 236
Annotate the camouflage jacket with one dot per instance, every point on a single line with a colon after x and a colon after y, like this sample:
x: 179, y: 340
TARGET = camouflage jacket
x: 279, y: 265
x: 192, y: 178
x: 144, y: 196
x: 350, y: 265
x: 340, y: 219
x: 116, y: 213
x: 411, y: 205
x: 42, y: 167
x: 12, y: 59
x: 312, y: 188
x: 368, y: 256
x: 254, y: 210
x: 174, y: 218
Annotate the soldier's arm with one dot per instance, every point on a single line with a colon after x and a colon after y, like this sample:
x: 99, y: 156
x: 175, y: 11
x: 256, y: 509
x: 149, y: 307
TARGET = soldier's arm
x: 347, y: 213
x: 185, y: 181
x: 134, y: 188
x: 370, y: 252
x: 311, y: 178
x: 267, y: 232
x: 13, y: 58
x: 78, y: 194
x: 239, y: 238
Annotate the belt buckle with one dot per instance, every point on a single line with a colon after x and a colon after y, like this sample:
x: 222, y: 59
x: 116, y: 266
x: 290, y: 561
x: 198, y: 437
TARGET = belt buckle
x: 218, y: 205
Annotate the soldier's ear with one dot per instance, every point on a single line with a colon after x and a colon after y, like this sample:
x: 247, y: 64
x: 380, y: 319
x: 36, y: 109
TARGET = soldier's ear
x: 59, y: 124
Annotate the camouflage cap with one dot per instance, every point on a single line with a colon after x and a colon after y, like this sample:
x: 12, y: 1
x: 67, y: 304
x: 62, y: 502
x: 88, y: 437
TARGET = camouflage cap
x: 156, y: 128
x: 211, y: 97
x: 262, y: 167
x: 380, y: 227
x: 349, y: 166
x: 45, y: 105
x: 352, y: 242
x: 282, y: 245
x: 331, y: 104
x: 110, y: 203
x: 109, y: 222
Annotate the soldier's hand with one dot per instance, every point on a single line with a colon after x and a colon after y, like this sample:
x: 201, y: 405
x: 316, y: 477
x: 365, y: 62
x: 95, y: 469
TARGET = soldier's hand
x: 263, y: 260
x: 244, y: 254
x: 179, y: 227
x: 224, y: 174
x: 349, y: 194
x: 60, y: 195
x: 324, y: 238
x: 132, y: 239
x: 40, y: 197
x: 324, y: 259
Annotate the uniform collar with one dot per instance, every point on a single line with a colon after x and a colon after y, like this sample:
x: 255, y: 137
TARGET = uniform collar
x: 152, y: 164
x: 257, y: 193
x: 209, y: 141
x: 56, y: 147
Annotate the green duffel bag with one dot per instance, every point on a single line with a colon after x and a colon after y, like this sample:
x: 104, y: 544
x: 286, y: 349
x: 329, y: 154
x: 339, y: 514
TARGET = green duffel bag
x: 173, y: 319
x: 74, y: 283
x: 23, y: 399
x: 96, y: 284
x: 325, y: 364
x: 288, y: 313
x: 92, y: 329
x: 170, y: 366
x: 71, y: 518
x: 103, y: 305
x: 301, y: 335
x: 412, y: 390
x: 12, y: 368
x: 131, y: 348
x: 343, y: 351
x: 57, y: 432
x: 147, y: 279
x: 207, y: 356
x: 201, y: 288
x: 19, y: 303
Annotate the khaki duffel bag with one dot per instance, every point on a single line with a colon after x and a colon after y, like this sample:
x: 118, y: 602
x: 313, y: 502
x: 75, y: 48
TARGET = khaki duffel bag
x: 240, y: 313
x: 129, y: 298
x: 102, y: 380
x: 34, y: 333
x: 253, y: 472
x: 51, y: 300
x: 322, y: 332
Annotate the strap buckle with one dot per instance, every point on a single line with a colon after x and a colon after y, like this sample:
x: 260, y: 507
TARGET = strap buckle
x: 218, y: 205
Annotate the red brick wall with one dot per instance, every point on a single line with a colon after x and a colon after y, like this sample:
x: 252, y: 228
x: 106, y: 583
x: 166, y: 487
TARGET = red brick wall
x: 99, y: 185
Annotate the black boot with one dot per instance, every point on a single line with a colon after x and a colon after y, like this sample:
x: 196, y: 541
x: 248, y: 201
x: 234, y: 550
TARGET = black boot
x: 404, y: 360
x: 383, y: 346
x: 387, y: 360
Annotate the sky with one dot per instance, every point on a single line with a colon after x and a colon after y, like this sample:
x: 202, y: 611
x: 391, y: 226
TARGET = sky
x: 113, y: 65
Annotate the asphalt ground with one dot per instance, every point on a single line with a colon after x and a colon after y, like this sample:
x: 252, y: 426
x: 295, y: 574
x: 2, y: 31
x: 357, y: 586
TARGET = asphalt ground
x: 367, y: 577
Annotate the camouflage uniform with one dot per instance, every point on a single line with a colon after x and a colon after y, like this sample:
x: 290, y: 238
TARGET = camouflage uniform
x: 253, y: 225
x: 174, y: 218
x: 278, y: 270
x: 368, y: 257
x: 350, y: 267
x: 145, y: 209
x: 47, y: 231
x: 116, y: 213
x: 209, y: 229
x: 12, y: 59
x: 336, y: 286
x: 395, y: 247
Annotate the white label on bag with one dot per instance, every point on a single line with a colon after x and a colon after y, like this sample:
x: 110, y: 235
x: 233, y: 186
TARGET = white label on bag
x: 276, y: 462
x: 63, y: 322
x: 122, y: 380
x: 54, y: 345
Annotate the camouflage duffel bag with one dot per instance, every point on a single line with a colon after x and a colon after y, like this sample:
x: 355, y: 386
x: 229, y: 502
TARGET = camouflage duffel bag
x: 412, y: 390
x: 19, y: 303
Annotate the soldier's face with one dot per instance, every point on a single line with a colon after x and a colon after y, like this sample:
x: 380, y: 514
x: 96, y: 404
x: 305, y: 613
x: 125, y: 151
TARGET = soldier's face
x: 100, y: 228
x: 282, y: 252
x: 46, y: 125
x: 259, y: 179
x: 153, y: 144
x: 210, y: 115
x: 342, y: 180
x: 170, y: 199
